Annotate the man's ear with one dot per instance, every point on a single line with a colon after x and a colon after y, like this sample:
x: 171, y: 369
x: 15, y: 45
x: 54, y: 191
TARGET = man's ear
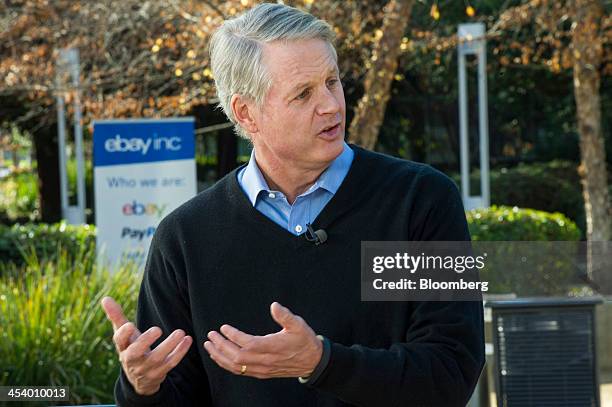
x: 244, y: 112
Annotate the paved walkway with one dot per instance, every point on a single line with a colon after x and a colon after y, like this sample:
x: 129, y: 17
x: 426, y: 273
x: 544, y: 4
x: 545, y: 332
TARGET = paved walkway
x: 605, y: 387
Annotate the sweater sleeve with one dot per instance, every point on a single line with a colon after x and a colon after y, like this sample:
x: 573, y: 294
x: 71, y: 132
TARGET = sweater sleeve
x: 442, y: 356
x: 162, y: 302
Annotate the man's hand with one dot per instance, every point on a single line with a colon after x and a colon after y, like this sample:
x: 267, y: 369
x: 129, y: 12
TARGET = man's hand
x: 145, y: 369
x: 292, y: 352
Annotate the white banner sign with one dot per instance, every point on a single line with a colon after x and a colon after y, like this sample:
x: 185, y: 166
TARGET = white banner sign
x: 143, y: 169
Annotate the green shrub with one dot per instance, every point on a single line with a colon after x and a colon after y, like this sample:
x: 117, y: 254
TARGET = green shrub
x: 550, y: 270
x: 551, y: 186
x: 54, y: 331
x: 504, y: 223
x: 19, y: 201
x: 44, y: 239
x: 19, y: 197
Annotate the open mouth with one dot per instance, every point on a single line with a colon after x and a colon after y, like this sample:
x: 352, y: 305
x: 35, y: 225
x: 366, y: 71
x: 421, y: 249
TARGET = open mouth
x: 331, y: 129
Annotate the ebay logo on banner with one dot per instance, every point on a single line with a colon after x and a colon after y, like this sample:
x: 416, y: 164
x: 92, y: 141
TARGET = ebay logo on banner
x: 120, y: 144
x: 138, y: 209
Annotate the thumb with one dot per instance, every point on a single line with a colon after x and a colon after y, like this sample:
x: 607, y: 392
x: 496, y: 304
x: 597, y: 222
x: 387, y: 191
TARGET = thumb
x: 113, y: 311
x: 283, y: 316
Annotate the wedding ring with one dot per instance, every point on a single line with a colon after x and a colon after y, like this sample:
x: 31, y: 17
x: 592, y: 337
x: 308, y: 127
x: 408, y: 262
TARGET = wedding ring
x: 243, y: 369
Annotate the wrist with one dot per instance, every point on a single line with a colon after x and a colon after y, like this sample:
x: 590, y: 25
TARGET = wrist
x: 321, y: 366
x: 317, y: 355
x: 147, y: 392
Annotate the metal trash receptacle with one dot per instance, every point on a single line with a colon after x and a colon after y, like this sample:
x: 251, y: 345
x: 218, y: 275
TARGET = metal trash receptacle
x: 545, y: 352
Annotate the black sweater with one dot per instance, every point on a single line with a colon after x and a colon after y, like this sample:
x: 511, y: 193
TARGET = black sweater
x: 217, y: 260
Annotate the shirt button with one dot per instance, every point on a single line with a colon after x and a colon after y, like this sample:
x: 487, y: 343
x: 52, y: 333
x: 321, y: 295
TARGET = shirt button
x: 271, y: 195
x: 298, y: 228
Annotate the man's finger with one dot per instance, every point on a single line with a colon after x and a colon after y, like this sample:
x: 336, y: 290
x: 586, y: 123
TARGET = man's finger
x: 283, y: 316
x: 221, y: 359
x: 113, y: 312
x: 177, y: 354
x: 143, y: 344
x: 235, y: 335
x: 228, y: 348
x: 125, y: 335
x: 161, y: 351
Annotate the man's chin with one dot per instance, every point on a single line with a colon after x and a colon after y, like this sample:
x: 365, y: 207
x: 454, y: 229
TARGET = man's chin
x: 330, y: 149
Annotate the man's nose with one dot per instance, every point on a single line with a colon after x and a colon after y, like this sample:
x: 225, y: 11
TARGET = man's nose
x: 328, y: 103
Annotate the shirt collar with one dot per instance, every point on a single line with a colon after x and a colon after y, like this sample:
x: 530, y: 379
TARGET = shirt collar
x: 254, y: 182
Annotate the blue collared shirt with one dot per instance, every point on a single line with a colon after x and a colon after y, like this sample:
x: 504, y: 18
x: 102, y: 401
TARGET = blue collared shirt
x: 307, y: 205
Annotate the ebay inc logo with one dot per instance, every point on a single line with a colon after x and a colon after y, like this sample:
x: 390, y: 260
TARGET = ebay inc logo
x: 136, y: 208
x: 141, y: 145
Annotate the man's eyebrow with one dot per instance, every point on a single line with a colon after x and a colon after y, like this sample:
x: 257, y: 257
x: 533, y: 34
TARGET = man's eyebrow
x: 300, y: 85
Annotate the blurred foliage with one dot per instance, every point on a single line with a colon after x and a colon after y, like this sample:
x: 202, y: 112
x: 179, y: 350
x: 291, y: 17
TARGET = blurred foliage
x: 140, y: 58
x: 46, y: 240
x: 54, y: 331
x: 531, y: 105
x: 19, y: 197
x: 550, y: 186
x: 504, y: 223
x: 550, y: 268
x: 12, y: 139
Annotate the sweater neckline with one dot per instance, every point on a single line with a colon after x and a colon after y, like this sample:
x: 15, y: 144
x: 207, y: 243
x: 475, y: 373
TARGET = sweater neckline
x: 347, y: 195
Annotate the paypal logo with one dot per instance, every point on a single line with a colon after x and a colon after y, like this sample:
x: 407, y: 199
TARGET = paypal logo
x: 120, y: 144
x: 137, y: 234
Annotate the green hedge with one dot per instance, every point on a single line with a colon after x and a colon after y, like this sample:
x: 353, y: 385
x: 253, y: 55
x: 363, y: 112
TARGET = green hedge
x: 551, y: 186
x: 503, y: 223
x: 550, y: 271
x: 54, y: 331
x: 44, y: 239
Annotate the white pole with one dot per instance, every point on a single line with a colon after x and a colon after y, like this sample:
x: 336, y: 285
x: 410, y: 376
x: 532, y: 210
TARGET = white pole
x: 483, y: 125
x: 463, y: 131
x: 61, y: 140
x: 68, y: 62
x: 78, y: 137
x: 472, y: 42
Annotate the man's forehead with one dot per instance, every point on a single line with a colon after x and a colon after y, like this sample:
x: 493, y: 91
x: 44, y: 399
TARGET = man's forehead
x: 293, y: 62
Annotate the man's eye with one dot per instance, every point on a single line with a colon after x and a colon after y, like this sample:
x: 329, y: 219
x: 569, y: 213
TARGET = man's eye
x: 304, y: 94
x: 333, y: 82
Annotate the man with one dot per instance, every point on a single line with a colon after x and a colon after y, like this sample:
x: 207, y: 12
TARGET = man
x: 220, y: 260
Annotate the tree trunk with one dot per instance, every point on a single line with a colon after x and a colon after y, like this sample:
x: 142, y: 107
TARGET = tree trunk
x: 587, y: 48
x: 370, y: 110
x: 47, y: 158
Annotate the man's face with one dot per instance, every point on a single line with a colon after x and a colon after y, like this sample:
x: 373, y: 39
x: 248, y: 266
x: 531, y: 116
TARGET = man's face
x: 305, y: 98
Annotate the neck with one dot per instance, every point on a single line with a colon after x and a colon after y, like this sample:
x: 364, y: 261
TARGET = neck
x: 291, y: 180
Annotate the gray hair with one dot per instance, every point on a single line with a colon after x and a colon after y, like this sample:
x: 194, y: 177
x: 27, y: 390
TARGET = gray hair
x: 236, y: 50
